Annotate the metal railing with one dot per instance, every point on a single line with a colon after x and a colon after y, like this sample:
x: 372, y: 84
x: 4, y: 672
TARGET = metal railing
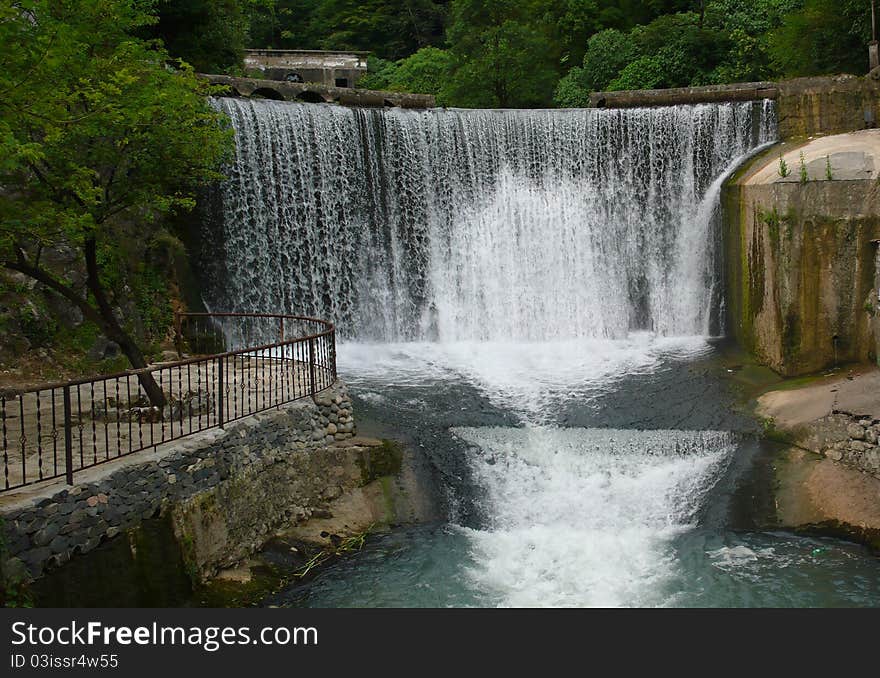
x: 238, y: 364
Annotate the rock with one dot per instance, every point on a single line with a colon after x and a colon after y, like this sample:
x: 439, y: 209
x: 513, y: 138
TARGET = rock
x: 855, y: 432
x: 46, y: 535
x: 331, y: 429
x: 102, y: 349
x: 834, y: 453
x: 59, y: 544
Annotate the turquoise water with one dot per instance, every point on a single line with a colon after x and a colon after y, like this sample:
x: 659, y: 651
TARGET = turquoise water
x: 595, y: 474
x: 429, y: 567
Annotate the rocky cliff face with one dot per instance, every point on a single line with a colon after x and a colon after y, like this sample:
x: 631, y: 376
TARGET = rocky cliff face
x: 800, y: 264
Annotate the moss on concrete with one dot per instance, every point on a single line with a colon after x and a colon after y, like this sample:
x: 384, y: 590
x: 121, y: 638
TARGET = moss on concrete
x: 382, y: 461
x: 798, y: 268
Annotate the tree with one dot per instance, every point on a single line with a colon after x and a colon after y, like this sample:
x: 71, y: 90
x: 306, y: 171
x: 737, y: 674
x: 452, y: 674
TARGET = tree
x: 98, y: 136
x: 211, y: 35
x: 608, y: 53
x: 393, y: 29
x: 500, y: 55
x: 425, y: 72
x: 824, y: 37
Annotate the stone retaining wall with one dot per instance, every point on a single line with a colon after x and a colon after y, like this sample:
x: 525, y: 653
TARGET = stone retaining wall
x: 851, y: 439
x: 262, y: 472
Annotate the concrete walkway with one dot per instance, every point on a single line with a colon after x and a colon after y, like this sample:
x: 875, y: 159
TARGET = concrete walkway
x: 856, y: 394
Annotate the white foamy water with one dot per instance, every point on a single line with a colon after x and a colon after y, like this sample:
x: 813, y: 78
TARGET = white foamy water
x: 528, y: 378
x: 457, y: 225
x: 586, y: 517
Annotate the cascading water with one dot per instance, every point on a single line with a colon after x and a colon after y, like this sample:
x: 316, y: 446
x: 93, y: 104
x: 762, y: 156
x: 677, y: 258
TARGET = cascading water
x: 526, y: 295
x: 458, y: 225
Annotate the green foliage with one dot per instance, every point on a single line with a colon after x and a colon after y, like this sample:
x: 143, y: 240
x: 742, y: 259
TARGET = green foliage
x: 211, y: 35
x: 747, y: 24
x: 532, y: 52
x: 425, y: 72
x: 572, y: 90
x: 646, y: 72
x: 500, y: 56
x: 803, y: 169
x: 391, y: 29
x: 94, y: 124
x: 379, y: 73
x: 829, y: 173
x: 608, y: 53
x: 824, y: 37
x: 99, y: 136
x: 783, y: 170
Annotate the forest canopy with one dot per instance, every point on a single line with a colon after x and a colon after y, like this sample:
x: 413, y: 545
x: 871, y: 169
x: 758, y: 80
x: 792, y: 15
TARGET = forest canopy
x: 533, y: 52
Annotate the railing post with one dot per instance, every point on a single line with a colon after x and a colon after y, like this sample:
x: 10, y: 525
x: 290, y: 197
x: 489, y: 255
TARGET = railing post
x: 178, y: 335
x: 68, y: 437
x: 312, y: 379
x: 220, y: 391
x: 333, y: 352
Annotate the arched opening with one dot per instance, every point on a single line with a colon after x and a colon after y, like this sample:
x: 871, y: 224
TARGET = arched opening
x: 310, y: 97
x: 267, y: 93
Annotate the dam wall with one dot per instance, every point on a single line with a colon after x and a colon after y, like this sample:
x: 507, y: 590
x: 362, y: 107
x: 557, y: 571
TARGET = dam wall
x: 800, y: 225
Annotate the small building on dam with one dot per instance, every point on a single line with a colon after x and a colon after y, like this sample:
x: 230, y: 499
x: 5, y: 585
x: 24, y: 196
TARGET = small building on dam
x: 330, y: 69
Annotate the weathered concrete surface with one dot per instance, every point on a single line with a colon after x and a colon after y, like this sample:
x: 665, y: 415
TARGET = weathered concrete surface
x: 805, y: 106
x: 313, y: 93
x: 837, y: 419
x: 795, y: 408
x: 831, y: 105
x: 800, y: 265
x: 820, y: 496
x: 310, y: 66
x: 675, y: 96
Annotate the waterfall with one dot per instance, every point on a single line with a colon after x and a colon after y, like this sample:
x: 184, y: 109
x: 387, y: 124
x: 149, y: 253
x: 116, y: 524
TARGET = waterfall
x: 457, y: 225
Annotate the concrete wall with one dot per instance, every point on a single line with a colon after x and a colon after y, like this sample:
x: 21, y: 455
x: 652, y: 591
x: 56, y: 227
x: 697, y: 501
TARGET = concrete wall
x: 799, y: 261
x: 323, y: 68
x: 291, y: 91
x: 812, y: 106
x: 805, y: 106
x: 225, y: 491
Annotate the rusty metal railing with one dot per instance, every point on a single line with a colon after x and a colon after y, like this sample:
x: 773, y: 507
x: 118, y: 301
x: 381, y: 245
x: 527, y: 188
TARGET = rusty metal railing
x: 229, y: 366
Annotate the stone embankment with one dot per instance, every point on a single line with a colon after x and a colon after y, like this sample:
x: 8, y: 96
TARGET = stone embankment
x: 226, y: 492
x: 828, y: 480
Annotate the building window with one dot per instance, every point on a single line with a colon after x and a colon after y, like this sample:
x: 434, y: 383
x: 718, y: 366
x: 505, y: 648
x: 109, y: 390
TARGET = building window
x: 342, y: 82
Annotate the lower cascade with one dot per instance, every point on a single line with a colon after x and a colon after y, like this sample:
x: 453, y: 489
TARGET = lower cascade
x: 456, y: 225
